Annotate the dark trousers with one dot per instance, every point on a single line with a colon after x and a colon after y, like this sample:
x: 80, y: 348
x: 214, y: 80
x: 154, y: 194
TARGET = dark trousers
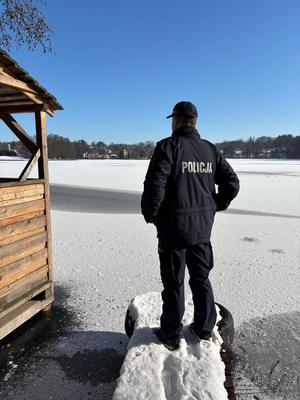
x: 199, y: 261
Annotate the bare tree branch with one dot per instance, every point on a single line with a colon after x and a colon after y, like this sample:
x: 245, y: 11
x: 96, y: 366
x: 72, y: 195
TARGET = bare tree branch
x: 22, y: 23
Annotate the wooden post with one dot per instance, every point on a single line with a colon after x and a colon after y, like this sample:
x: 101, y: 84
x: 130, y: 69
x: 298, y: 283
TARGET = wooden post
x: 41, y: 140
x: 29, y: 166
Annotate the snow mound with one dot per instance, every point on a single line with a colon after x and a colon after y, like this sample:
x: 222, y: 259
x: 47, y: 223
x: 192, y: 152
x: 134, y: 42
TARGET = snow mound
x: 193, y: 372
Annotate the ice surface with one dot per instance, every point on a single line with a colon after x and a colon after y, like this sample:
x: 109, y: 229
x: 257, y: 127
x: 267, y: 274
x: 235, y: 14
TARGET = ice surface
x: 150, y: 371
x: 104, y: 260
x: 264, y: 183
x: 9, y: 158
x: 110, y: 258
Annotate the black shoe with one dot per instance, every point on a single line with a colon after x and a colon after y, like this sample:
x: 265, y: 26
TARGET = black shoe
x: 199, y: 336
x: 170, y: 342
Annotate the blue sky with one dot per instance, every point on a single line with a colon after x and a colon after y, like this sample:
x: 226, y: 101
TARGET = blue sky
x: 120, y: 66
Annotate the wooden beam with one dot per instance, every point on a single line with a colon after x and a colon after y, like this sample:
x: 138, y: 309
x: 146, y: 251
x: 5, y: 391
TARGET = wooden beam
x: 24, y: 108
x: 21, y: 314
x: 21, y: 227
x: 20, y: 236
x: 21, y: 209
x: 23, y: 285
x: 7, y: 91
x: 16, y: 83
x: 12, y: 202
x: 20, y: 218
x: 15, y: 251
x: 20, y: 191
x: 19, y: 132
x: 13, y: 275
x: 25, y: 89
x: 12, y: 97
x: 41, y: 139
x: 22, y: 102
x: 23, y: 299
x: 12, y: 182
x: 29, y: 166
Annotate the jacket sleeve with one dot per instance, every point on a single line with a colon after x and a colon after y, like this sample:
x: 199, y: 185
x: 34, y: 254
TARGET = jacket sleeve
x: 227, y: 181
x: 156, y: 180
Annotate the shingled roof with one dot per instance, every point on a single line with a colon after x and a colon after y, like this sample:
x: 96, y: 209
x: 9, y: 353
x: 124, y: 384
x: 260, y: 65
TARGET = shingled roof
x: 17, y: 72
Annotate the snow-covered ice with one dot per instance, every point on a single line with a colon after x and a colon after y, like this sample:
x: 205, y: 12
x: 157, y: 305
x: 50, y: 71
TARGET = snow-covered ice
x: 11, y: 158
x: 264, y: 183
x: 105, y: 260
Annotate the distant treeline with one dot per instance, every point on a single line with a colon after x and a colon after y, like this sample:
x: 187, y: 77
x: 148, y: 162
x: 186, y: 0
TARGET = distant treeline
x: 282, y: 146
x: 61, y: 148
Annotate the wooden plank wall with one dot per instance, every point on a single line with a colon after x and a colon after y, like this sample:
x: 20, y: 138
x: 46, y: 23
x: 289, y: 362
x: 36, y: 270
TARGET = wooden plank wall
x: 23, y: 240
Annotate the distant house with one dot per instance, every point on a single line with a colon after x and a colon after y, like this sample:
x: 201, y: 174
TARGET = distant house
x: 124, y: 153
x: 113, y: 156
x: 5, y: 146
x: 95, y: 156
x: 91, y: 156
x: 274, y: 152
x: 238, y: 154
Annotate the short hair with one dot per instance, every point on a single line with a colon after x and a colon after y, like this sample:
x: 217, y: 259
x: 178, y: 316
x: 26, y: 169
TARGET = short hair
x: 186, y: 121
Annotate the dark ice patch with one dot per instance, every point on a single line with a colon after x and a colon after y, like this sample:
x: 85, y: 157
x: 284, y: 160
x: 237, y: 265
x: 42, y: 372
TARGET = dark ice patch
x: 98, y: 200
x: 265, y: 352
x: 45, y: 327
x: 94, y: 200
x: 258, y: 213
x: 279, y: 251
x: 96, y: 366
x: 43, y: 343
x: 268, y: 173
x: 249, y: 239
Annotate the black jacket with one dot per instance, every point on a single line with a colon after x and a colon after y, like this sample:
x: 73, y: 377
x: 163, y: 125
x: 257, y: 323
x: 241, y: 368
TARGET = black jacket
x: 179, y: 190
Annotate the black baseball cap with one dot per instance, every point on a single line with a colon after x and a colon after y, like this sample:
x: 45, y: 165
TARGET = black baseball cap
x: 184, y: 109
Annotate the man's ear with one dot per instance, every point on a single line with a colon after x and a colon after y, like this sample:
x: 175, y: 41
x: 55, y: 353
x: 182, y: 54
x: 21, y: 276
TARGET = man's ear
x: 174, y: 122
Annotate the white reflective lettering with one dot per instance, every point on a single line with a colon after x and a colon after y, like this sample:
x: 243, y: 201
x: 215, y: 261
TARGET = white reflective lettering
x: 184, y: 166
x: 196, y: 167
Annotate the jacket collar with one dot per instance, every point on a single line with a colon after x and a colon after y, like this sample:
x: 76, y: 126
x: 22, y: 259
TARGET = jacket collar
x: 186, y: 131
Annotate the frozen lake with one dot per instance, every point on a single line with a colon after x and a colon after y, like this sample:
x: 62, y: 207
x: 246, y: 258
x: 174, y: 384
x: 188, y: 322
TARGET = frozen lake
x: 271, y: 186
x: 105, y: 254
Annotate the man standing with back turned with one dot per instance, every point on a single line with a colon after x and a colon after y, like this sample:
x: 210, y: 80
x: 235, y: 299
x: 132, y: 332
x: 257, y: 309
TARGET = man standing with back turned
x: 180, y: 199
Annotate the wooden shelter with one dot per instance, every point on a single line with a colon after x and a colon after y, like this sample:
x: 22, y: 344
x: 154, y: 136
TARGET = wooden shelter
x: 26, y: 283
